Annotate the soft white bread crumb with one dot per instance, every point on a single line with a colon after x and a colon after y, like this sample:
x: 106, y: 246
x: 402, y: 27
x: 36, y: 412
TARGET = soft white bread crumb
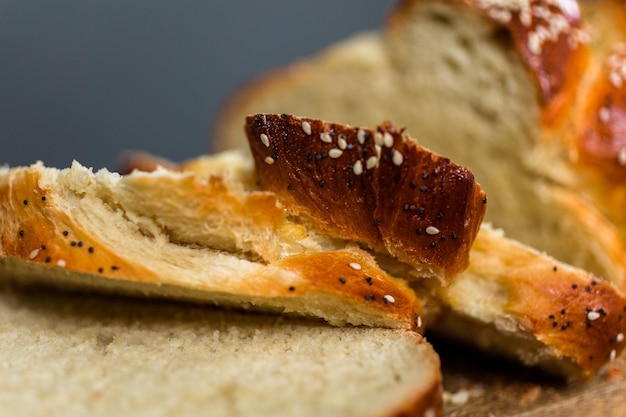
x: 64, y: 355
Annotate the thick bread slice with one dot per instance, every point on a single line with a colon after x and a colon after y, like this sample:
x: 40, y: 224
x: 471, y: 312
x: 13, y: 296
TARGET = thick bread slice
x: 521, y: 303
x: 373, y: 186
x: 462, y: 78
x: 525, y: 305
x: 179, y: 235
x: 65, y: 355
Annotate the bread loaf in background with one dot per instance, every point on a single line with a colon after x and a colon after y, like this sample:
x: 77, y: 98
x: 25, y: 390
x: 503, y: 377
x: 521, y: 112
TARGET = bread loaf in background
x: 508, y: 89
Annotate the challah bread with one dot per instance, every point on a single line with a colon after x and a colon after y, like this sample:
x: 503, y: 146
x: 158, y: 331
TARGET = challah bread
x: 373, y: 186
x: 68, y: 355
x: 512, y: 300
x: 527, y: 306
x: 178, y: 235
x: 491, y: 85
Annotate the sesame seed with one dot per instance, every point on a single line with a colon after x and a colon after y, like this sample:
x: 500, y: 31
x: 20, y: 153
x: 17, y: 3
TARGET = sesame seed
x: 306, y: 126
x: 389, y: 299
x: 397, y: 158
x: 325, y: 137
x: 61, y: 263
x: 615, y: 79
x: 604, y: 115
x: 335, y: 153
x: 621, y: 157
x: 269, y: 160
x: 613, y: 355
x: 355, y: 266
x: 357, y: 168
x: 341, y: 142
x: 619, y: 338
x: 371, y: 162
x: 387, y: 140
x: 265, y: 140
x: 360, y: 136
x: 432, y: 230
x: 593, y: 315
x: 33, y: 254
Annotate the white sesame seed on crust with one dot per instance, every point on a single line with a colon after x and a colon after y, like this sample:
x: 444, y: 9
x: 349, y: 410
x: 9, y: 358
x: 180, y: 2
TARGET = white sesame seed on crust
x: 306, y: 126
x: 621, y: 157
x: 33, y: 254
x: 341, y: 142
x: 61, y: 263
x: 604, y: 115
x: 387, y: 139
x: 615, y: 79
x: 357, y: 168
x: 269, y: 160
x: 335, y: 153
x: 593, y: 315
x: 397, y: 158
x: 355, y: 266
x: 265, y: 140
x: 432, y: 230
x: 619, y: 338
x: 419, y: 322
x: 389, y: 299
x: 325, y: 137
x: 360, y: 136
x: 371, y: 162
x: 612, y: 355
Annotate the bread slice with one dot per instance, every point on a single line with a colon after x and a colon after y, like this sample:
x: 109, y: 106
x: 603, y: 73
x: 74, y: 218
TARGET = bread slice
x: 68, y: 355
x: 178, y: 235
x: 462, y: 78
x: 518, y: 303
x: 530, y: 307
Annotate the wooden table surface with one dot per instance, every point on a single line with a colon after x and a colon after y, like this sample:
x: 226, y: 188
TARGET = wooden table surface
x: 476, y: 385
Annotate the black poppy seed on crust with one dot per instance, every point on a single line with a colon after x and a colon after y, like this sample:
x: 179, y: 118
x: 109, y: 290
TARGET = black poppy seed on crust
x: 42, y: 247
x: 369, y: 280
x: 114, y: 267
x: 100, y: 270
x: 47, y: 259
x: 574, y: 286
x: 554, y: 268
x: 90, y: 249
x: 485, y: 200
x: 369, y: 297
x: 342, y: 280
x: 73, y: 243
x: 423, y: 188
x: 43, y: 198
x: 21, y: 233
x: 413, y: 185
x: 65, y: 233
x: 25, y: 202
x: 292, y: 288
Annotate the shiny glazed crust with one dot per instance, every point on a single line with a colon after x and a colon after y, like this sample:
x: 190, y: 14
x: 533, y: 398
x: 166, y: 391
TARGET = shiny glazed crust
x: 418, y: 206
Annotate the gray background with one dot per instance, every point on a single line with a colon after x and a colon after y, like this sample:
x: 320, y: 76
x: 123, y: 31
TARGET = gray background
x: 88, y: 79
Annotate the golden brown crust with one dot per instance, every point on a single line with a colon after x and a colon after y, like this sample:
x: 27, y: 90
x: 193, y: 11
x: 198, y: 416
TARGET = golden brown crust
x: 556, y: 308
x: 419, y: 206
x: 38, y: 235
x: 549, y: 38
